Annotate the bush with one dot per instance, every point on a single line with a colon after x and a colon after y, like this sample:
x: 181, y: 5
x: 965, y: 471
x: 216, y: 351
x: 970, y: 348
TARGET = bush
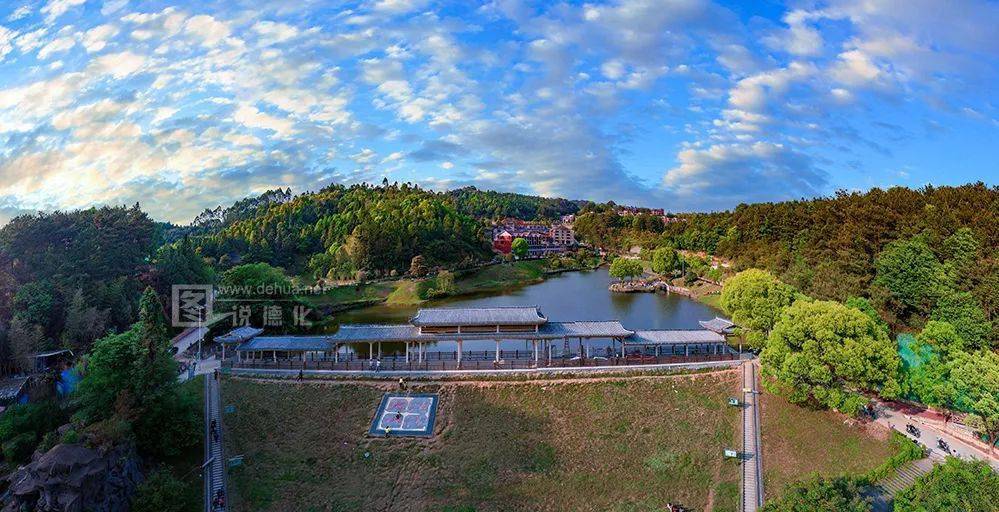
x: 819, y: 494
x: 162, y: 492
x: 954, y: 485
x: 903, y: 450
x: 20, y: 447
x: 26, y: 424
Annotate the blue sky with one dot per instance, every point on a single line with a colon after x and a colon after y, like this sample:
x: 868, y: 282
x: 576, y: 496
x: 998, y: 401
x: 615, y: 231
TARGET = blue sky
x: 682, y: 104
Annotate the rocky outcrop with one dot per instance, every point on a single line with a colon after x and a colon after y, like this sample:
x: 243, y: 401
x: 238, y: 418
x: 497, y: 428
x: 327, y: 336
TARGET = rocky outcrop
x: 643, y: 286
x: 75, y: 478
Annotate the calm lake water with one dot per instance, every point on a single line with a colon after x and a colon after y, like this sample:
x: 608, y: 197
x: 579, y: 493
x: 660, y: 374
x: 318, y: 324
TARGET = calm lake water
x: 566, y: 297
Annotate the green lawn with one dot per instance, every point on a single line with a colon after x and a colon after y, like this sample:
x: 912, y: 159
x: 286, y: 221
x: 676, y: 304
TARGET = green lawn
x: 629, y: 445
x: 409, y: 292
x: 501, y: 276
x: 798, y: 441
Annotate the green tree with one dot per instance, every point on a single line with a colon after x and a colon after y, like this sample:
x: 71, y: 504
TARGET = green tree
x: 132, y: 377
x: 962, y: 310
x: 975, y: 377
x: 755, y: 300
x: 955, y: 485
x: 665, y: 260
x: 911, y: 274
x: 960, y: 254
x: 623, y: 268
x: 822, y: 351
x: 84, y: 323
x: 519, y: 248
x: 864, y: 305
x: 820, y: 494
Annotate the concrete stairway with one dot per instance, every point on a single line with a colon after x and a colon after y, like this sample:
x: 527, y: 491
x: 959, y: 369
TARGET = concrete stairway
x: 885, y: 490
x: 215, y: 472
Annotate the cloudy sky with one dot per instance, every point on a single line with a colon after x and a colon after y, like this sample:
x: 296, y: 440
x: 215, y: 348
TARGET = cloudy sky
x: 683, y: 104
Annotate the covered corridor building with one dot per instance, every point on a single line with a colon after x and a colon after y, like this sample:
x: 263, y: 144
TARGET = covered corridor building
x: 550, y: 343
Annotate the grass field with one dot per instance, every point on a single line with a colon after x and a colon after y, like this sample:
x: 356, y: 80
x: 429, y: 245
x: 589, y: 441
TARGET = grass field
x: 798, y: 441
x: 630, y: 445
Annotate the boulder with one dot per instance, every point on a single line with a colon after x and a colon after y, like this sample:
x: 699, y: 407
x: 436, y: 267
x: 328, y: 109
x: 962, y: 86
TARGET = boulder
x: 75, y: 478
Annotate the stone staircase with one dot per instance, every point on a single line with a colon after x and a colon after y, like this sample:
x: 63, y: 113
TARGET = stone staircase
x: 884, y: 491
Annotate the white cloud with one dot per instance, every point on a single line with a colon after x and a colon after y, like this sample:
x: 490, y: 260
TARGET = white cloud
x: 28, y: 41
x: 365, y: 156
x: 57, y: 45
x: 55, y: 8
x: 744, y: 172
x: 208, y: 29
x: 398, y: 6
x: 95, y: 39
x: 250, y: 117
x: 6, y: 41
x: 856, y: 68
x: 119, y: 65
x: 799, y: 38
x: 272, y: 32
x: 21, y: 12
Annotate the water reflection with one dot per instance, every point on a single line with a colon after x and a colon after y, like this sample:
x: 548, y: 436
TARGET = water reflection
x: 567, y: 297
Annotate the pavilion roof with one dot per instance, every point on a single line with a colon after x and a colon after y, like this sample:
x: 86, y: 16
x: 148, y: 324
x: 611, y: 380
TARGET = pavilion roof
x: 600, y: 329
x: 239, y: 334
x: 673, y: 337
x: 362, y: 333
x: 718, y: 325
x: 291, y: 343
x: 479, y: 316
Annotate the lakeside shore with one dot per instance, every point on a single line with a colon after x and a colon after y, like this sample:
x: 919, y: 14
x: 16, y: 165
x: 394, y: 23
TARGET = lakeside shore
x: 409, y: 291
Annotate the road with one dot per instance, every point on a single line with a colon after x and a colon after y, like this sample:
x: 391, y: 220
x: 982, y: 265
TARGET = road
x: 214, y: 456
x: 752, y: 465
x: 960, y: 441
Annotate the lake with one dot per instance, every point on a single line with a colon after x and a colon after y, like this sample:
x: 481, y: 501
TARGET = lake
x: 564, y: 297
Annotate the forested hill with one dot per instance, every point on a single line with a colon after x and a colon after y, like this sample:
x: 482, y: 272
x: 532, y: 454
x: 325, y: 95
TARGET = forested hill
x: 497, y: 205
x: 827, y: 247
x: 339, y: 230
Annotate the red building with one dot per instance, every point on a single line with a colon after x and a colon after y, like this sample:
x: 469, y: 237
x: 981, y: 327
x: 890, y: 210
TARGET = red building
x: 503, y: 242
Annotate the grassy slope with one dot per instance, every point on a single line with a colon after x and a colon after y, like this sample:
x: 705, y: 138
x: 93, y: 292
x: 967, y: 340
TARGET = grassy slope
x: 626, y: 446
x: 798, y: 441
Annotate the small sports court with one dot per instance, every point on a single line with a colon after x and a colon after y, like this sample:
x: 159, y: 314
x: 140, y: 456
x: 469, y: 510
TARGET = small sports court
x: 405, y: 415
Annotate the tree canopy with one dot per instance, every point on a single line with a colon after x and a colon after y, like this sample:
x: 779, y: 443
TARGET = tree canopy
x: 819, y: 349
x: 623, y: 268
x: 519, y: 247
x: 132, y: 378
x: 665, y: 260
x: 955, y: 485
x: 820, y: 494
x: 755, y: 300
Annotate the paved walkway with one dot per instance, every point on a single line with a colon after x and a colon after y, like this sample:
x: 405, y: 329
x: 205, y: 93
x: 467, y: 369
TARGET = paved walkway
x: 752, y: 466
x: 961, y: 442
x: 214, y: 457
